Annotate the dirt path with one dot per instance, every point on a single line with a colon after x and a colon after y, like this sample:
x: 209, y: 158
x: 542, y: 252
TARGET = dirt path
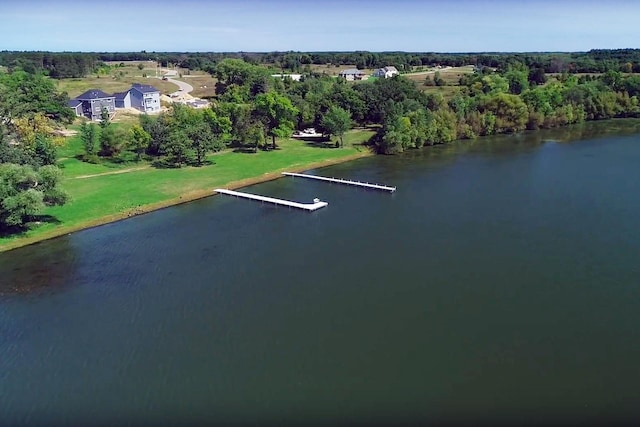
x: 112, y: 173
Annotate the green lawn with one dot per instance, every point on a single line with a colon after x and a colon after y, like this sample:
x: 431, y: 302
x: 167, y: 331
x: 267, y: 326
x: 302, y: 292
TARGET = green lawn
x: 138, y: 186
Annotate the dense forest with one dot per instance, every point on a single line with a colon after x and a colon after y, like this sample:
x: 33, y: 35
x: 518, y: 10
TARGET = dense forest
x: 77, y: 64
x: 252, y: 110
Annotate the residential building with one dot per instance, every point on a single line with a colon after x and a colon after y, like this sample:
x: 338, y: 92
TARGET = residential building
x: 123, y: 99
x: 386, y: 72
x: 93, y: 102
x: 294, y: 77
x: 145, y: 98
x: 76, y: 106
x: 352, y: 74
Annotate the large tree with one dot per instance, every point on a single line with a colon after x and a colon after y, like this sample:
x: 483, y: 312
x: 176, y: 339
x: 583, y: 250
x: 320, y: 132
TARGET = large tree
x: 90, y: 136
x: 277, y: 113
x: 336, y: 122
x: 25, y: 192
x: 139, y: 140
x: 24, y: 95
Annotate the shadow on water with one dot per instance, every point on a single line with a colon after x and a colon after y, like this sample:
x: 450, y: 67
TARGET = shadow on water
x: 42, y: 268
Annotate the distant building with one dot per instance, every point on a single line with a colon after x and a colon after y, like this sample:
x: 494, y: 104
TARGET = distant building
x: 76, y: 106
x: 123, y: 99
x: 145, y: 98
x: 93, y: 101
x: 294, y: 77
x: 352, y: 74
x: 386, y: 72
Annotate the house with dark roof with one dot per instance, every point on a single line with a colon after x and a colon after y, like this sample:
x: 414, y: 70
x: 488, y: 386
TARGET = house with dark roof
x: 386, y: 72
x: 123, y: 99
x: 352, y: 74
x: 93, y: 101
x: 76, y: 106
x: 145, y: 98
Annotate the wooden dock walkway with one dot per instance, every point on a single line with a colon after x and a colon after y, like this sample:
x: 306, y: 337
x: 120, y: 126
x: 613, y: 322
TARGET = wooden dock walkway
x: 317, y: 204
x: 343, y: 181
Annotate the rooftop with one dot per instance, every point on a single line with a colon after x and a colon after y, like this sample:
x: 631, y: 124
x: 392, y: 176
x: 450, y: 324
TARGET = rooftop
x: 351, y: 71
x: 93, y: 94
x: 144, y: 88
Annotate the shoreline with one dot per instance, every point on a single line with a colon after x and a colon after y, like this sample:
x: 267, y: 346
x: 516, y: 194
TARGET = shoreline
x: 184, y: 198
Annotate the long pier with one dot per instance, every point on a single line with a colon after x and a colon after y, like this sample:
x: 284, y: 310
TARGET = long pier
x: 343, y: 181
x: 317, y: 204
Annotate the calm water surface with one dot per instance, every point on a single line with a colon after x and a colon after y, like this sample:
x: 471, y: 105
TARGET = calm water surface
x: 500, y: 283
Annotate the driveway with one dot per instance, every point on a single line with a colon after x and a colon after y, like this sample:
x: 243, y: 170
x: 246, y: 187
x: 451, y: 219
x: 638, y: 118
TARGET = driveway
x: 184, y: 87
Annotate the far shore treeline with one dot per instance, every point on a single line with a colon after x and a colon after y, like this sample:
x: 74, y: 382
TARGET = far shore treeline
x: 78, y: 64
x: 251, y: 110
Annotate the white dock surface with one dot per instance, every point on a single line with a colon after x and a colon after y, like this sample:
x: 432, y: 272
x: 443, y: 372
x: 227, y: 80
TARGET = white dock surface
x: 304, y: 206
x: 343, y: 181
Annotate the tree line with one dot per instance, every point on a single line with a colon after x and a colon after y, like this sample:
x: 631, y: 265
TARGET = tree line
x: 80, y: 64
x: 253, y: 109
x: 30, y: 112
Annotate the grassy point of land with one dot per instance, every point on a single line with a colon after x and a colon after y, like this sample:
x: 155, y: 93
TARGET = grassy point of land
x: 104, y: 193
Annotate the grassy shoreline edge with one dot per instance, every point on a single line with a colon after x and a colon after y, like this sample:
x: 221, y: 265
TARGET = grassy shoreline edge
x: 183, y: 198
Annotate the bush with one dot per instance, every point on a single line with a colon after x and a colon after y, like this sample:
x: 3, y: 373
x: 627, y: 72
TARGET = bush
x: 89, y: 158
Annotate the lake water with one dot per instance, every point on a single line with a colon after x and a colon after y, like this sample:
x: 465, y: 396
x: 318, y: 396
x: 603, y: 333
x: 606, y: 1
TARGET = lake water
x: 499, y: 284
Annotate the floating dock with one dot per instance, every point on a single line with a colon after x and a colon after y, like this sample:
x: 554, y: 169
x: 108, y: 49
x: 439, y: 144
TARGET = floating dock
x: 343, y: 181
x: 317, y: 204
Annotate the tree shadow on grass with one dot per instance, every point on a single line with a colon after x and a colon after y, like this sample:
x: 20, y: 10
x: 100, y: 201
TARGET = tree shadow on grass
x: 165, y: 164
x: 204, y: 163
x: 313, y: 138
x: 245, y: 150
x: 33, y: 222
x: 321, y: 144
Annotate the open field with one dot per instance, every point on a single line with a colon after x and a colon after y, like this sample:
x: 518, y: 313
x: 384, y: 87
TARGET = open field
x: 204, y: 85
x: 451, y: 76
x: 108, y: 192
x: 109, y: 84
x: 116, y: 77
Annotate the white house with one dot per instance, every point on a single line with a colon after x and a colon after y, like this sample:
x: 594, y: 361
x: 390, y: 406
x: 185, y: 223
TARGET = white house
x: 294, y: 77
x: 386, y: 72
x: 145, y: 98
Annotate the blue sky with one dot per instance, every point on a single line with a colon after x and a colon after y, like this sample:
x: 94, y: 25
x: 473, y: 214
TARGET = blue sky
x: 317, y: 25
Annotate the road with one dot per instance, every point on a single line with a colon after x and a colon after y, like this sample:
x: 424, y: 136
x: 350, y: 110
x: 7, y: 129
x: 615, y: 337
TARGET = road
x: 184, y: 87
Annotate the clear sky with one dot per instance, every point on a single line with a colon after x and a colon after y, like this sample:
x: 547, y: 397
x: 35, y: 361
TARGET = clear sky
x: 319, y: 25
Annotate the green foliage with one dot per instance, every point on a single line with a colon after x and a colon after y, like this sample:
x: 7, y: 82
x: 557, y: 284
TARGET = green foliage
x: 25, y: 95
x: 25, y: 191
x: 138, y: 141
x: 178, y: 148
x: 90, y: 135
x: 438, y: 80
x: 337, y: 121
x: 277, y: 113
x: 510, y: 111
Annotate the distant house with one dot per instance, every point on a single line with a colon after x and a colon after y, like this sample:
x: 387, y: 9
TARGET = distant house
x: 76, y: 106
x: 123, y: 99
x: 93, y: 101
x: 386, y: 72
x: 294, y: 77
x: 145, y: 98
x: 352, y: 74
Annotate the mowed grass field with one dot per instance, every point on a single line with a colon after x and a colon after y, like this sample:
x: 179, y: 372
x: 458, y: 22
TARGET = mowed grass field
x: 101, y: 193
x: 117, y: 79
